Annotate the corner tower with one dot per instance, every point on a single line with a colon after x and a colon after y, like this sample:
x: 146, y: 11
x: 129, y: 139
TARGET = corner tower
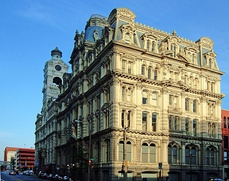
x: 53, y: 76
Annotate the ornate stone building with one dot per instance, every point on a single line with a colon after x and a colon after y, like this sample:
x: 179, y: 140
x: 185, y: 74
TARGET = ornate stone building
x: 45, y: 133
x: 139, y: 103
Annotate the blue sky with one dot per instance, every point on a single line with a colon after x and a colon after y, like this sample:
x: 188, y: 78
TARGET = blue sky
x: 30, y: 29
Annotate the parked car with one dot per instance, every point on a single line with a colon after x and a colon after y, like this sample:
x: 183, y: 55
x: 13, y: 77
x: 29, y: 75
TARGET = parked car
x: 26, y: 172
x: 50, y: 176
x: 45, y: 175
x: 12, y: 172
x: 40, y: 174
x: 66, y: 178
x: 56, y: 177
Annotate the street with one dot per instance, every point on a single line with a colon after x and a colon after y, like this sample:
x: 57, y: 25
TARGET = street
x: 6, y: 177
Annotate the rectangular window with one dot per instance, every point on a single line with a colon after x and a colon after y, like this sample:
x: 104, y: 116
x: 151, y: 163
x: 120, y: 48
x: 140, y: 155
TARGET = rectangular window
x: 170, y: 99
x: 176, y: 123
x: 155, y: 74
x: 128, y: 94
x: 128, y: 151
x: 144, y: 97
x: 186, y: 125
x: 149, y: 73
x: 143, y: 70
x: 169, y: 154
x: 154, y: 98
x: 228, y: 122
x: 225, y: 140
x: 123, y: 65
x: 129, y: 67
x: 144, y: 121
x: 144, y: 100
x: 152, y: 153
x: 194, y: 127
x: 154, y: 122
x: 174, y: 159
x: 123, y: 94
x: 170, y: 122
x: 175, y: 101
x: 145, y: 153
x: 186, y: 104
x: 98, y: 102
x: 123, y: 118
x: 194, y: 106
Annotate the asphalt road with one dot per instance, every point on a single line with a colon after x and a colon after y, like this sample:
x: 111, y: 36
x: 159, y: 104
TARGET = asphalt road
x: 6, y: 177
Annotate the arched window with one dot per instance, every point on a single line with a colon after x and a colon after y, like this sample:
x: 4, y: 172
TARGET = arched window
x: 121, y: 151
x: 191, y: 156
x: 128, y: 150
x: 143, y: 69
x: 145, y: 153
x: 186, y: 104
x: 152, y: 153
x: 172, y: 154
x: 148, y: 153
x: 211, y: 155
x: 194, y: 106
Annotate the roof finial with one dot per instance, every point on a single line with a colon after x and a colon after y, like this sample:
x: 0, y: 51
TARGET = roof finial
x: 174, y: 33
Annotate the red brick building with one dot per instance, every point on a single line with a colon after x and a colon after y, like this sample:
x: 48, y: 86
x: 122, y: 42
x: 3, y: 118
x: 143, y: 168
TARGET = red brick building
x: 225, y: 145
x: 9, y: 154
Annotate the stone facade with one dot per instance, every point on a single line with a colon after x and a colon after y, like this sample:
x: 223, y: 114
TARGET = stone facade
x: 139, y: 102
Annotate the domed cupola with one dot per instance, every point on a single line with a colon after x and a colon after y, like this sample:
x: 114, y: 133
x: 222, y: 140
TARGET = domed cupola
x: 94, y: 28
x: 56, y: 53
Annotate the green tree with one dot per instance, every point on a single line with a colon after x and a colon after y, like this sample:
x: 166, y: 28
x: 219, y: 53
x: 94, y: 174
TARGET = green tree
x: 13, y: 162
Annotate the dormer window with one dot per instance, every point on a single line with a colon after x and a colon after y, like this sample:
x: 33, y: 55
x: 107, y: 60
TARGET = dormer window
x: 127, y: 38
x: 96, y: 35
x: 173, y: 48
